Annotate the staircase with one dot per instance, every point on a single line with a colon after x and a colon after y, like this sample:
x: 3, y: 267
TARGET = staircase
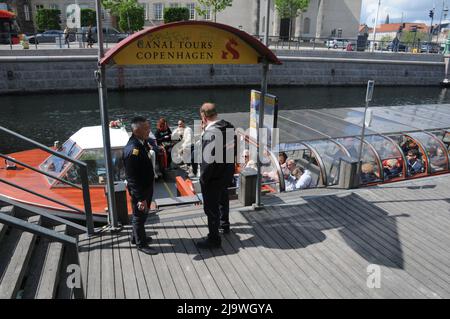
x: 35, y: 250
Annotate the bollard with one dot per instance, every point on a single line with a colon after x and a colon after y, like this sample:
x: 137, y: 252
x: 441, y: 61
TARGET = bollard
x: 247, y: 189
x: 348, y: 173
x: 121, y: 202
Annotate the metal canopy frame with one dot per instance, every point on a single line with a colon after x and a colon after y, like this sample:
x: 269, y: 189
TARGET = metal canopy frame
x: 266, y: 57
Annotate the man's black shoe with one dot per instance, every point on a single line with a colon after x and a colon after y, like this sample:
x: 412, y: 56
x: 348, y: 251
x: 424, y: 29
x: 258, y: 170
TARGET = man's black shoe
x: 149, y: 240
x: 208, y: 244
x: 225, y: 229
x: 148, y: 250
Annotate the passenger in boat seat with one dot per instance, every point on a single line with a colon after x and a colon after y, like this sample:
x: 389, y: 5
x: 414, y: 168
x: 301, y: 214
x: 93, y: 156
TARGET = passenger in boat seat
x: 140, y: 179
x: 392, y: 168
x: 415, y: 165
x: 182, y: 135
x: 299, y: 179
x: 282, y: 158
x: 368, y: 173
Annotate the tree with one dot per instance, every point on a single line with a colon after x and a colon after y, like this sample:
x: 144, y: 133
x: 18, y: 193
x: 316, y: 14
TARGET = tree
x: 130, y: 13
x: 411, y: 37
x: 213, y: 5
x: 176, y: 14
x: 48, y: 19
x: 291, y: 9
x: 88, y: 17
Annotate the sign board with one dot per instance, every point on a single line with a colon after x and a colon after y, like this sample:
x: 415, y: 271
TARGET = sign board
x: 270, y: 115
x: 370, y: 88
x: 190, y: 43
x: 73, y: 16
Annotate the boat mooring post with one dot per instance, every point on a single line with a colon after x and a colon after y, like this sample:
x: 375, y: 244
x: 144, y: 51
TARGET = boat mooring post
x: 369, y: 95
x: 100, y: 76
x: 259, y: 149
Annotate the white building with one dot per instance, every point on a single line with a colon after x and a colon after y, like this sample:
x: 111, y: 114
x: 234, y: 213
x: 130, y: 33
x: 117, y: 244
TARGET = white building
x: 323, y: 19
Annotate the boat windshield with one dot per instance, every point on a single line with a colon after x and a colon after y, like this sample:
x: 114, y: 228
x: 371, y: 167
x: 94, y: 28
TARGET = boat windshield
x: 56, y: 165
x: 96, y: 169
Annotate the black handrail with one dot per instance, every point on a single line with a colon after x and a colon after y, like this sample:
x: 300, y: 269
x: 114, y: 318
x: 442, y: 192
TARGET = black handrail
x: 83, y: 175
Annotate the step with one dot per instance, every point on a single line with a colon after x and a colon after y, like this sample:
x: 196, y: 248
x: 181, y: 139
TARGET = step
x: 13, y: 275
x: 9, y: 210
x: 43, y: 278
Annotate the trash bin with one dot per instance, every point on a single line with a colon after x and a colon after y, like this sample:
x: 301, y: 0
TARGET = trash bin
x: 120, y: 191
x: 247, y: 187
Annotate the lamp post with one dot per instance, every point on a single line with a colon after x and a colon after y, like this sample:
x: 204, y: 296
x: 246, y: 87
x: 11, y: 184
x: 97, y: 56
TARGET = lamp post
x: 375, y: 26
x: 431, y: 15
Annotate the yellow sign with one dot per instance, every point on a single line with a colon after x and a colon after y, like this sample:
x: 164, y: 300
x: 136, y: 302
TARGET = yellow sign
x: 187, y: 44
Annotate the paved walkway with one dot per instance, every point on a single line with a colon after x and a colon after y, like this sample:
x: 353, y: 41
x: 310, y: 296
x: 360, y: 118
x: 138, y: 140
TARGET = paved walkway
x: 313, y: 244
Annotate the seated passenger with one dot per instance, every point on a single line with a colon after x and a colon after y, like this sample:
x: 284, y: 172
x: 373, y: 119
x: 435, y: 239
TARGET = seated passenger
x: 392, y: 168
x: 248, y: 163
x: 282, y: 158
x: 415, y: 165
x: 163, y: 136
x: 299, y: 179
x: 411, y: 145
x: 438, y: 159
x: 368, y: 173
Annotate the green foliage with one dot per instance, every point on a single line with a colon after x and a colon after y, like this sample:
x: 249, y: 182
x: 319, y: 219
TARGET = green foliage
x: 176, y: 14
x: 214, y: 5
x: 48, y: 19
x: 408, y: 37
x: 386, y: 38
x: 88, y: 17
x: 291, y: 8
x: 130, y: 13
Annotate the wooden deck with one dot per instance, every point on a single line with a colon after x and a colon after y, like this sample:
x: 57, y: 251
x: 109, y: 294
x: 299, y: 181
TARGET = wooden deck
x: 311, y: 244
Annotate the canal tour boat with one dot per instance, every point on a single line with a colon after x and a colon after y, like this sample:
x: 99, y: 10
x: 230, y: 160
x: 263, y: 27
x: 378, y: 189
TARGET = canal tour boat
x: 317, y: 140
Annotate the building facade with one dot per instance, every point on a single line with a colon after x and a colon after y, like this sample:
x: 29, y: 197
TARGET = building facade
x: 23, y: 11
x: 323, y: 19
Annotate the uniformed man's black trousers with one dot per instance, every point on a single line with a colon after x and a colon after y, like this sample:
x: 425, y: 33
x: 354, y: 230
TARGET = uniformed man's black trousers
x: 139, y: 218
x: 216, y: 206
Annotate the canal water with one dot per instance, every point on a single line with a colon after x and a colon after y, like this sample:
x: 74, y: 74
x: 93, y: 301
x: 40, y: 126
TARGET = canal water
x: 47, y: 118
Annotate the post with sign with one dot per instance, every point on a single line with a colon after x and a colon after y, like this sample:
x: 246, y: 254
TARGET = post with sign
x: 366, y: 122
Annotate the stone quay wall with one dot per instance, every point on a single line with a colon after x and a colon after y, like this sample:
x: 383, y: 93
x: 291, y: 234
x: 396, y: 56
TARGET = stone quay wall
x: 39, y: 71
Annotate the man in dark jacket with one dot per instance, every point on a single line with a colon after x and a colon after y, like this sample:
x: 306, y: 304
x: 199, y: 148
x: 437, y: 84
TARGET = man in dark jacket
x: 140, y: 178
x: 217, y: 169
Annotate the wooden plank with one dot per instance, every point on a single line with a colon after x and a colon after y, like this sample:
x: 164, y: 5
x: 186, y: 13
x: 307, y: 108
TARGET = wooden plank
x: 371, y: 239
x: 276, y: 238
x: 107, y: 263
x: 232, y: 274
x: 37, y: 262
x: 83, y: 255
x: 119, y: 289
x: 94, y: 280
x: 267, y: 264
x: 343, y: 272
x: 129, y: 276
x: 384, y: 229
x: 212, y: 264
x: 244, y: 272
x: 169, y: 247
x: 184, y: 262
x: 139, y: 273
x: 210, y: 285
x: 9, y: 210
x: 14, y: 274
x: 391, y: 276
x: 51, y: 268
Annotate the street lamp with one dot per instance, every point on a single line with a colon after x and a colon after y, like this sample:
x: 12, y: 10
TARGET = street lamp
x: 375, y: 27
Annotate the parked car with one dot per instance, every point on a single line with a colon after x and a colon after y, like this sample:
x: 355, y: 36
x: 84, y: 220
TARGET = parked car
x: 110, y: 35
x: 337, y: 43
x: 49, y: 36
x: 432, y: 47
x: 401, y: 47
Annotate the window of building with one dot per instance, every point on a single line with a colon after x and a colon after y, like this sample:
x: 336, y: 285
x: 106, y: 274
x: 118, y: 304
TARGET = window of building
x: 53, y: 6
x: 191, y: 7
x: 158, y: 10
x: 39, y: 6
x: 174, y: 5
x: 339, y: 33
x: 263, y: 29
x: 307, y: 26
x: 26, y: 10
x: 207, y: 13
x: 146, y: 10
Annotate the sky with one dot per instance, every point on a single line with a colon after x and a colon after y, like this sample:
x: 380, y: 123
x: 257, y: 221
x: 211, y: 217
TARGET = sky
x: 415, y: 11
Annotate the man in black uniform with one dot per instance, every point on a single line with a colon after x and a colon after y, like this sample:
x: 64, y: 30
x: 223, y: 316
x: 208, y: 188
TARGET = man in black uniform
x: 140, y: 177
x: 216, y: 173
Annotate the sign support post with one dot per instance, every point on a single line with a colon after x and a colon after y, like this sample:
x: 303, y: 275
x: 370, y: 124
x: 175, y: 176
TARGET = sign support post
x: 103, y: 102
x: 260, y: 146
x: 369, y: 94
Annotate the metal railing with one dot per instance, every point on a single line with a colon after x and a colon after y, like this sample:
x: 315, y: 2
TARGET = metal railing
x: 83, y: 175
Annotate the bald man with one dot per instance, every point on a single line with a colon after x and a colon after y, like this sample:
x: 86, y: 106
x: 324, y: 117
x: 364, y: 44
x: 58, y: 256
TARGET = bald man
x: 216, y: 174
